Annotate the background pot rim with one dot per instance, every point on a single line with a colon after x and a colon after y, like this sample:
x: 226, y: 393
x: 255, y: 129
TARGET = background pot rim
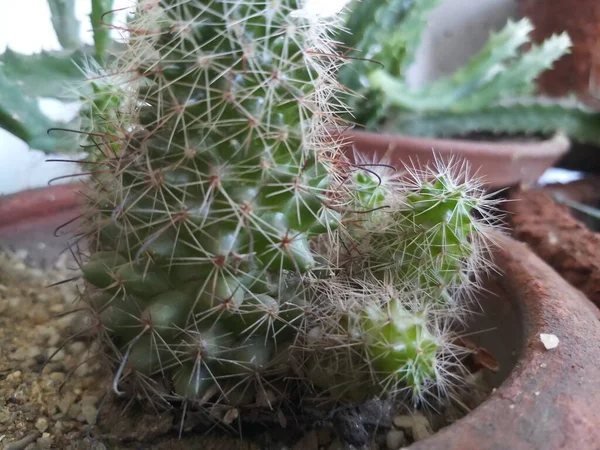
x: 499, y: 164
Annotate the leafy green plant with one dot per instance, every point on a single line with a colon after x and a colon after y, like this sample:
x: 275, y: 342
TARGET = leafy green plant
x: 235, y: 256
x: 24, y: 79
x: 493, y: 92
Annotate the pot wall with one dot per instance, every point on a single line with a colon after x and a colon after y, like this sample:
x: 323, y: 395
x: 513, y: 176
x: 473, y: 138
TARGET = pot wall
x: 550, y: 400
x: 500, y: 164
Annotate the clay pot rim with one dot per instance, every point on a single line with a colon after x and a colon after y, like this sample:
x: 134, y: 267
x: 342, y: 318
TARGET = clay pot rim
x: 553, y: 390
x: 551, y: 146
x: 499, y: 164
x: 38, y: 203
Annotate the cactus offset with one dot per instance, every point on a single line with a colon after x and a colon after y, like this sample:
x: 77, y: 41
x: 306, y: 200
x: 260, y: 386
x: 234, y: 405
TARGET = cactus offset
x: 410, y: 257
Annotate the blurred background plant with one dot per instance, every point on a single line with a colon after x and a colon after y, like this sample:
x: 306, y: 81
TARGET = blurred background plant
x: 494, y: 92
x: 25, y: 78
x: 491, y: 92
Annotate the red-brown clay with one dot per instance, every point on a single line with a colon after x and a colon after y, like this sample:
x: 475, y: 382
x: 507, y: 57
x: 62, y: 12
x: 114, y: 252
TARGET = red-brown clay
x: 551, y: 400
x: 499, y: 163
x: 31, y: 220
x: 559, y: 238
x: 38, y: 203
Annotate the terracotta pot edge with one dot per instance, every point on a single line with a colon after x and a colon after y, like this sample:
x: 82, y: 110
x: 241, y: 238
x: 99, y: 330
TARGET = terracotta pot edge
x: 553, y: 147
x: 38, y: 203
x: 539, y: 315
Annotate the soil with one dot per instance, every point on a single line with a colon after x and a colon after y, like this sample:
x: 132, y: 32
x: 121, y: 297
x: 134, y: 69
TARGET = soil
x: 63, y: 403
x: 566, y: 240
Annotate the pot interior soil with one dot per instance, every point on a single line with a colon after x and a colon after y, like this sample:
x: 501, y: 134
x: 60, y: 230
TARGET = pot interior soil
x: 566, y: 239
x: 62, y: 403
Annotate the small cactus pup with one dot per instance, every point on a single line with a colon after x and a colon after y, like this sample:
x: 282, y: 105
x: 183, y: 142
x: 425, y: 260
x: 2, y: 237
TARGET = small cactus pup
x: 433, y: 234
x: 410, y: 268
x: 213, y: 168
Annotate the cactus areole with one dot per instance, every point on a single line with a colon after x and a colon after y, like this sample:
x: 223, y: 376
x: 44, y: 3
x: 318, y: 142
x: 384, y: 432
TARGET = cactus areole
x: 234, y: 253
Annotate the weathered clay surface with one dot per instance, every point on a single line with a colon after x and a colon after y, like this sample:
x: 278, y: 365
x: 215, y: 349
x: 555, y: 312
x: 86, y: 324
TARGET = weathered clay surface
x: 551, y: 400
x: 580, y: 69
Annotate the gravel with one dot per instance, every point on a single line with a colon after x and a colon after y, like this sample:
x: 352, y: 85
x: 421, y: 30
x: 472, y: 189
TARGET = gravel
x: 42, y: 405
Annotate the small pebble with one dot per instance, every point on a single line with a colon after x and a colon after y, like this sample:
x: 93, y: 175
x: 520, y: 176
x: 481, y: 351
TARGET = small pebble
x: 15, y: 376
x: 66, y: 402
x: 39, y: 316
x: 76, y: 348
x: 550, y: 341
x: 5, y: 414
x: 395, y: 439
x: 57, y: 376
x: 58, y: 427
x: 75, y: 411
x: 90, y: 413
x: 42, y: 424
x: 416, y: 425
x: 45, y: 442
x: 403, y: 421
x: 421, y: 430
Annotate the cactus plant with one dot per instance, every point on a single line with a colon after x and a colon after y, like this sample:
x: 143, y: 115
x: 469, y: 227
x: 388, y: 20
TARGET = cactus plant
x: 232, y: 247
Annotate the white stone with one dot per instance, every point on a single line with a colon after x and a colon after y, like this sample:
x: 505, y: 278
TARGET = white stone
x: 394, y: 439
x: 550, y: 341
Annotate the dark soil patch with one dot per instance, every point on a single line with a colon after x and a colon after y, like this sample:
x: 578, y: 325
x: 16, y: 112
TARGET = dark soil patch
x: 564, y: 238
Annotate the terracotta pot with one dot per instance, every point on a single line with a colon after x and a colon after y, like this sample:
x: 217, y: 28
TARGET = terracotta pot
x: 560, y: 236
x: 500, y: 164
x: 546, y: 399
x: 33, y: 220
x: 550, y: 400
x: 581, y: 20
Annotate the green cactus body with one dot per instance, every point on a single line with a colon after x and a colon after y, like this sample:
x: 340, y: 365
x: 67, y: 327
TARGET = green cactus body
x: 523, y: 116
x: 402, y: 349
x: 422, y: 247
x: 429, y: 241
x: 214, y: 179
x: 375, y: 347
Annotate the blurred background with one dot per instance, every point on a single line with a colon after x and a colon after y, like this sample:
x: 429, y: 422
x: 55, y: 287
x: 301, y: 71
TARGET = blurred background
x: 26, y: 27
x: 455, y: 31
